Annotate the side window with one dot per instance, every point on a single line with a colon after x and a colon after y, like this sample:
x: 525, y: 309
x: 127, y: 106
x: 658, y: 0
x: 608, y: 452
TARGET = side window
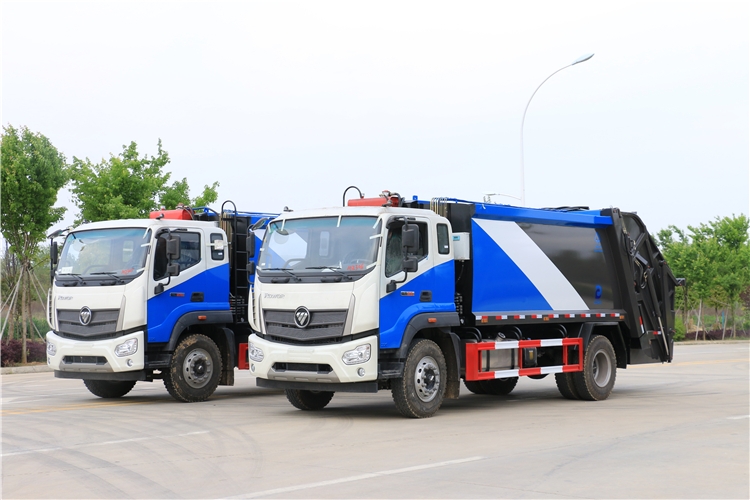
x: 190, y: 250
x: 217, y: 253
x: 190, y: 253
x: 443, y: 240
x: 394, y: 255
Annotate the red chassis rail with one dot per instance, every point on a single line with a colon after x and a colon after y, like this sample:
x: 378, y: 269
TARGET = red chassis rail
x: 475, y: 371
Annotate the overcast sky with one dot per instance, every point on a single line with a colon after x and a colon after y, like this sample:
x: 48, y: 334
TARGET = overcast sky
x: 288, y: 103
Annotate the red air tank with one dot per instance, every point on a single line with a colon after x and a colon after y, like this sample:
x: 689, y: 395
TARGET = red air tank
x: 386, y: 198
x: 179, y: 213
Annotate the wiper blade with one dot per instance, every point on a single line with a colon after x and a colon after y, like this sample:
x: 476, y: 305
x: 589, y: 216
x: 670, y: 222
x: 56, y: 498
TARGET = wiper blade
x: 285, y: 269
x: 72, y: 274
x: 334, y: 269
x: 110, y: 273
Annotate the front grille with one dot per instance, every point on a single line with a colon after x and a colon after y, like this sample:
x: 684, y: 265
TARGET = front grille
x: 323, y: 325
x: 103, y: 324
x: 303, y: 367
x: 89, y: 360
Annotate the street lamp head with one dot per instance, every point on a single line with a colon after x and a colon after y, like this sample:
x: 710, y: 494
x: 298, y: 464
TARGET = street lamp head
x: 583, y: 58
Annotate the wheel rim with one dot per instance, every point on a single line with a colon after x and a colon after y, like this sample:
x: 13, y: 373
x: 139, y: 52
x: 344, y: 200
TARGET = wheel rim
x: 427, y: 379
x: 197, y: 368
x: 602, y: 369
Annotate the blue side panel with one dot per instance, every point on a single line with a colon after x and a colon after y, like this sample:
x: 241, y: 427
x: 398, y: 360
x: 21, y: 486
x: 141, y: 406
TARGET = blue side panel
x: 499, y: 285
x: 551, y: 216
x: 397, y: 308
x: 166, y: 308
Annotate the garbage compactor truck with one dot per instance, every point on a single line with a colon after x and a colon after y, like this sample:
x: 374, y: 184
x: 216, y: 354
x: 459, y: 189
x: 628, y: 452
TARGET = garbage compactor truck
x: 413, y: 296
x: 159, y: 298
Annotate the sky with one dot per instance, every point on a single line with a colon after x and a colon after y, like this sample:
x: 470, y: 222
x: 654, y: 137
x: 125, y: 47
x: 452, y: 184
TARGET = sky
x: 287, y: 103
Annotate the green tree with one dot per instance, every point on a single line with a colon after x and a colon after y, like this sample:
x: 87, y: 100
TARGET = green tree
x: 733, y: 263
x: 715, y: 259
x: 33, y: 171
x: 122, y: 187
x: 129, y: 186
x: 179, y: 192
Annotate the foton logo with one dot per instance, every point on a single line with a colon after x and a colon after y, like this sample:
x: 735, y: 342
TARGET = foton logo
x: 273, y: 295
x: 84, y: 317
x: 302, y: 317
x: 64, y: 297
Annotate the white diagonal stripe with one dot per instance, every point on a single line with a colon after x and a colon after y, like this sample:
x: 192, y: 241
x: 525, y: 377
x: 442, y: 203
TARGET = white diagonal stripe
x: 534, y: 263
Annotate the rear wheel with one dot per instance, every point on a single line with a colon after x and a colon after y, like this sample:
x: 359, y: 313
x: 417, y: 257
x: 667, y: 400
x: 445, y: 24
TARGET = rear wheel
x: 309, y: 400
x: 109, y: 389
x: 475, y: 386
x: 566, y: 386
x: 597, y: 379
x: 195, y: 369
x: 499, y: 386
x: 419, y: 393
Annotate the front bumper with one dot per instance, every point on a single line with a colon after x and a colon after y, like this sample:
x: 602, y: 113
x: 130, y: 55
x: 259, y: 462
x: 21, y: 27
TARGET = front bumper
x: 96, y: 356
x: 293, y: 363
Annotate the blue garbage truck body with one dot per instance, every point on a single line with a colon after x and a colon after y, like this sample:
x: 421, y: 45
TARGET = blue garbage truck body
x: 160, y: 298
x: 415, y: 296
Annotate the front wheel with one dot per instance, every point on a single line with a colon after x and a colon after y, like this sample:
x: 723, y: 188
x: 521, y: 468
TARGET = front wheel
x: 309, y: 400
x: 419, y: 393
x: 597, y: 379
x: 194, y: 370
x: 109, y: 389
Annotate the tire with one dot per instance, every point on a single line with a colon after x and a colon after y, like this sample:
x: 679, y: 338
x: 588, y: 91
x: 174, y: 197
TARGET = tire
x: 475, y: 387
x: 499, y: 386
x: 194, y: 370
x: 309, y: 400
x: 566, y: 386
x: 597, y: 379
x: 109, y: 389
x: 419, y: 393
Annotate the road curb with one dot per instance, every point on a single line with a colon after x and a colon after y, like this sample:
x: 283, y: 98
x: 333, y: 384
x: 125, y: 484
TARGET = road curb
x: 709, y: 342
x: 10, y: 370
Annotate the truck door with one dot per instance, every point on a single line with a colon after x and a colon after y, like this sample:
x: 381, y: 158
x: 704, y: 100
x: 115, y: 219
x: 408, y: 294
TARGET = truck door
x: 181, y: 294
x: 429, y: 289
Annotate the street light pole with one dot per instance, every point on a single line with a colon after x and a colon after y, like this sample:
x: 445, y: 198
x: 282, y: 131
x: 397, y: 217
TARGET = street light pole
x: 581, y: 59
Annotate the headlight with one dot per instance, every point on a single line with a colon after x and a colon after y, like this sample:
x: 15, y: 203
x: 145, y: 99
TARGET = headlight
x: 51, y: 349
x: 127, y: 348
x: 255, y: 352
x: 359, y: 354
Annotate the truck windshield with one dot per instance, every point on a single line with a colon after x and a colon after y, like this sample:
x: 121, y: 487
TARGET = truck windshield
x: 105, y: 253
x: 321, y: 245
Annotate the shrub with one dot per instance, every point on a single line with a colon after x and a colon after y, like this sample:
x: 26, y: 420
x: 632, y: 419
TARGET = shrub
x: 679, y: 328
x: 10, y: 352
x: 36, y: 351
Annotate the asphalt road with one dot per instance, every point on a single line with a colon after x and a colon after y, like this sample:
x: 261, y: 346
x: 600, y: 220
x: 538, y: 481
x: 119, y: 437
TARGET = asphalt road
x: 667, y: 431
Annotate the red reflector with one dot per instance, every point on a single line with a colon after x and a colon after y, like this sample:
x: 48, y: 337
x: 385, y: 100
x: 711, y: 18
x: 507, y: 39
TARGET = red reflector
x: 242, y: 361
x: 432, y: 320
x: 201, y: 318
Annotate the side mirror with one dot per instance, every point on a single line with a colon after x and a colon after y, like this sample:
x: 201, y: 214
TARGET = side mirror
x: 410, y: 239
x: 410, y: 264
x: 173, y: 269
x: 53, y: 253
x: 173, y: 248
x: 250, y: 245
